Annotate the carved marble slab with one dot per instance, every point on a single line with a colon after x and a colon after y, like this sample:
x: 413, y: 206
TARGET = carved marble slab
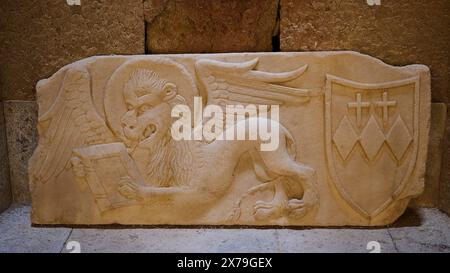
x: 352, y: 135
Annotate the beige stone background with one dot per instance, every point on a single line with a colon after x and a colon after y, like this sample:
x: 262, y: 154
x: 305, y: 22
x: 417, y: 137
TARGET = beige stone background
x: 39, y: 37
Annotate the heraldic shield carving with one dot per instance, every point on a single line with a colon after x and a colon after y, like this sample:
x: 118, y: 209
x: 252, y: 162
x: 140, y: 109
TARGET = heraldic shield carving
x: 371, y: 140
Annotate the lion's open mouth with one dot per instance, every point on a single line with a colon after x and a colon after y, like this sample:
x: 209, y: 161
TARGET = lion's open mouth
x: 148, y: 132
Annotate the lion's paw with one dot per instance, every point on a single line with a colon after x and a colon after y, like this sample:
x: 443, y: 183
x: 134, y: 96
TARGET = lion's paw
x: 264, y: 210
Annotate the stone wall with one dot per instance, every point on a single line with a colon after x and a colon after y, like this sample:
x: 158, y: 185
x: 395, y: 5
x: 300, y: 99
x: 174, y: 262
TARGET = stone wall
x: 21, y: 136
x: 5, y: 188
x: 199, y: 26
x: 39, y: 37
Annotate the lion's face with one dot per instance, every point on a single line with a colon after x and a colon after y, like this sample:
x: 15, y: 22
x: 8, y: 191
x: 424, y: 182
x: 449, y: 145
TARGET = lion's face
x: 147, y: 97
x: 147, y: 125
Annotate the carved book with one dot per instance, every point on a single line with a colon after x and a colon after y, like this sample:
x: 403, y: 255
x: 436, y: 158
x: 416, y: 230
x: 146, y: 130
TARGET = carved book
x: 103, y: 167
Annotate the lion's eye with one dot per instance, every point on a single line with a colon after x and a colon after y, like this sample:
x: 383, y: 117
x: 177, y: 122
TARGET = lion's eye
x: 143, y: 108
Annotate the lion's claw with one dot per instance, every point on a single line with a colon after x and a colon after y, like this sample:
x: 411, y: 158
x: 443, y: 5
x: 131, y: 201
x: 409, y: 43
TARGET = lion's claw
x: 128, y: 189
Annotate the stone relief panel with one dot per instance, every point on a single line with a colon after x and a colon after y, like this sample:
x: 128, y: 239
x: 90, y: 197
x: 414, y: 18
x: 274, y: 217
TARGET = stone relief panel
x: 316, y: 139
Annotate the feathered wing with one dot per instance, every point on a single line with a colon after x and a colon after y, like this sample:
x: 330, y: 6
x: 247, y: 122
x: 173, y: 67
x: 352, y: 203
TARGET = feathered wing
x: 238, y: 83
x: 71, y: 122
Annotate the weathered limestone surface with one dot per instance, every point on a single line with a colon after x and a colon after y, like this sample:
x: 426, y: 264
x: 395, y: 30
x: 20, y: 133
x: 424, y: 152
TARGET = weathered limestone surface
x: 430, y: 196
x: 21, y: 135
x: 398, y: 32
x: 38, y: 37
x: 352, y: 141
x: 199, y: 26
x: 5, y: 186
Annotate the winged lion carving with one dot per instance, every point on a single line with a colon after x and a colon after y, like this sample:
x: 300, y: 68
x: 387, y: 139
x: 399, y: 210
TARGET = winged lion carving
x: 135, y: 129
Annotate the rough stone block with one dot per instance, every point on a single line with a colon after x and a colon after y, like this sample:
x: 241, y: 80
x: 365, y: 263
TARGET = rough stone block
x: 444, y: 189
x: 200, y: 26
x: 430, y: 196
x: 21, y: 135
x: 142, y: 140
x: 5, y: 186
